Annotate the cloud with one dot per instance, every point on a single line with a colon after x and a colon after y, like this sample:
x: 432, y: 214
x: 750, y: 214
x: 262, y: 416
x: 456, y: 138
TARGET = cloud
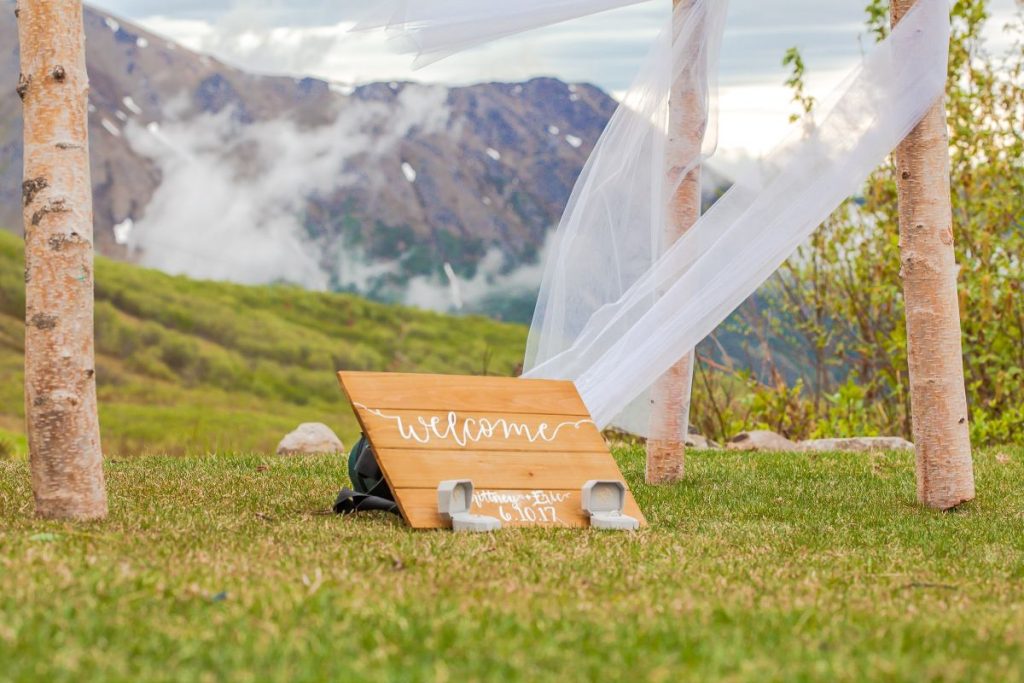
x: 231, y: 202
x: 311, y: 37
x: 232, y: 196
x: 236, y: 225
x: 195, y: 34
x: 492, y: 279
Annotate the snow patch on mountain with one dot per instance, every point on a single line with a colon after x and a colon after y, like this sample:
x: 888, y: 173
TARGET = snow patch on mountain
x: 130, y: 105
x: 493, y: 277
x: 109, y: 126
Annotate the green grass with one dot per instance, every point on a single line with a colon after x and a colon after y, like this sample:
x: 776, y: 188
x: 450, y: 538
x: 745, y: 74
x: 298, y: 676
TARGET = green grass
x: 762, y: 567
x: 189, y: 367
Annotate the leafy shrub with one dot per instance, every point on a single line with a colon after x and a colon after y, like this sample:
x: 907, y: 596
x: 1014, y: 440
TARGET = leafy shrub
x: 189, y: 367
x: 840, y: 299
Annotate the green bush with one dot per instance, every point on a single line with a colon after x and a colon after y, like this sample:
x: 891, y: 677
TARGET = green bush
x: 839, y: 300
x: 191, y: 367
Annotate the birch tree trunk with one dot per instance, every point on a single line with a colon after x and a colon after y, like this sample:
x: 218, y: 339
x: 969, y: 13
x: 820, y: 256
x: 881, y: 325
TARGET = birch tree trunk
x: 670, y: 396
x: 945, y: 476
x: 60, y: 385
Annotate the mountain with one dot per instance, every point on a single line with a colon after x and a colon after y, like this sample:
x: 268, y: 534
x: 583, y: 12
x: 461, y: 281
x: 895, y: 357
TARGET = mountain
x: 201, y: 168
x: 189, y: 367
x: 405, y: 192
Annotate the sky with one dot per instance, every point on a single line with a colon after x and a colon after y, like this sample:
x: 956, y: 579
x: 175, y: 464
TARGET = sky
x: 311, y: 37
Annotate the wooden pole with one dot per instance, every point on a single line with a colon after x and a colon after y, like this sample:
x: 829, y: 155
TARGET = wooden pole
x: 60, y: 385
x: 945, y: 475
x: 670, y: 396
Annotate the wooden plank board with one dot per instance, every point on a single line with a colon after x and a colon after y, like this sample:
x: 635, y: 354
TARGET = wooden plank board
x: 461, y: 393
x: 478, y: 431
x: 524, y: 507
x: 527, y: 445
x: 520, y: 469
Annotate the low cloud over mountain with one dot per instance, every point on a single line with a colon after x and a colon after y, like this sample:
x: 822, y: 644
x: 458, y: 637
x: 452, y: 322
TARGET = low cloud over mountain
x: 422, y: 193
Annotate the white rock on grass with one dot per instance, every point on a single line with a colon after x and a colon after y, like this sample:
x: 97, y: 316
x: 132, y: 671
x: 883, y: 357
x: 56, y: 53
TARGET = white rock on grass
x: 311, y: 438
x: 699, y: 441
x: 761, y: 440
x: 859, y: 444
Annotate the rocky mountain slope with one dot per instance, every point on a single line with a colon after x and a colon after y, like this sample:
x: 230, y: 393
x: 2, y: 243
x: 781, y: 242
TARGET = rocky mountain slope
x: 201, y: 168
x: 424, y: 194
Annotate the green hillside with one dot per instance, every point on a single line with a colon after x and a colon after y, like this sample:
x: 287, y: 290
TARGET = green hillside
x: 193, y: 367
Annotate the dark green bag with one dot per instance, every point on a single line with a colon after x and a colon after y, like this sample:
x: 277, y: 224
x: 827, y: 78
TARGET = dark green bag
x: 371, y: 488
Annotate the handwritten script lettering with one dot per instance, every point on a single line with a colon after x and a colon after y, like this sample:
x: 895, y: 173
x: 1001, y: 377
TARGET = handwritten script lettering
x: 513, y: 506
x: 471, y: 429
x: 513, y: 498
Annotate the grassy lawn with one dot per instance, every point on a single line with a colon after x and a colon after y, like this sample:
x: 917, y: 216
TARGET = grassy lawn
x: 759, y: 567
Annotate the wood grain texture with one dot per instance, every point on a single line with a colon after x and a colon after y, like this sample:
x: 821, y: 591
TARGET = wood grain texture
x: 495, y: 431
x: 515, y: 469
x: 527, y: 445
x: 515, y: 508
x: 448, y: 392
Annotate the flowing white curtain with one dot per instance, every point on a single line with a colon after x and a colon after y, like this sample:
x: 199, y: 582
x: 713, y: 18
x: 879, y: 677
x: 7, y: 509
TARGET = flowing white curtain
x: 617, y: 307
x: 614, y: 227
x: 434, y: 29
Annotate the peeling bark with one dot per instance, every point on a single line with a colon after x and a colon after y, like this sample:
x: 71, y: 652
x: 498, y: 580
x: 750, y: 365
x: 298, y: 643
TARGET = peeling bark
x: 60, y: 386
x: 23, y: 83
x: 670, y: 395
x: 30, y: 188
x: 54, y: 206
x: 945, y: 475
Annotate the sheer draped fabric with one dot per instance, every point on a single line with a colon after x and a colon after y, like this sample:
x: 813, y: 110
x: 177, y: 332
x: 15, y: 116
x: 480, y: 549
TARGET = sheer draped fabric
x: 617, y: 306
x: 435, y: 29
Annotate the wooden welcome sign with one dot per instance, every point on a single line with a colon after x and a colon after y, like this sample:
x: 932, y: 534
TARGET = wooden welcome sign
x: 527, y: 445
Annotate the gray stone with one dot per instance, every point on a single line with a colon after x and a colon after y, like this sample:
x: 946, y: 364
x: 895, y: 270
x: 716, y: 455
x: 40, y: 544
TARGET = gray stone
x: 859, y: 444
x: 700, y: 442
x: 761, y: 440
x: 311, y: 438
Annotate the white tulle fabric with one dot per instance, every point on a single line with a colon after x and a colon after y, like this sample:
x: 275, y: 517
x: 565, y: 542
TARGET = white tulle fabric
x: 434, y: 29
x: 614, y: 227
x: 618, y: 307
